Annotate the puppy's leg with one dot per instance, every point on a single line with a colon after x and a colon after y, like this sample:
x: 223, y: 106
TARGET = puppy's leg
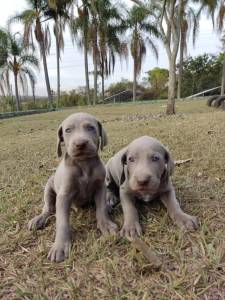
x: 131, y: 227
x: 182, y: 219
x: 112, y: 191
x: 61, y: 247
x: 103, y: 221
x: 39, y: 221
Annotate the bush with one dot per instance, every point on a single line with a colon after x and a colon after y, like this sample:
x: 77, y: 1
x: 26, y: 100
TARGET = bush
x: 72, y: 98
x: 7, y: 104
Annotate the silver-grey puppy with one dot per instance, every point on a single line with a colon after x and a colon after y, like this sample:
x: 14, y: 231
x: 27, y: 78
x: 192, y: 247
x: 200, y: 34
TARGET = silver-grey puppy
x: 79, y: 178
x: 142, y: 170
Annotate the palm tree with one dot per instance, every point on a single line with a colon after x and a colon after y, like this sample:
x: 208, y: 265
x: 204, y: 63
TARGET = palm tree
x: 58, y: 10
x: 110, y: 28
x: 189, y: 21
x: 20, y: 62
x: 140, y: 22
x: 32, y: 19
x: 93, y: 36
x: 80, y: 28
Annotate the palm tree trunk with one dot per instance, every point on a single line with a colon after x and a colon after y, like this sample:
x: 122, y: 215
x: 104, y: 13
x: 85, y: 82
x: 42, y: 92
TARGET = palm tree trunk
x: 50, y: 99
x: 134, y: 80
x: 86, y: 71
x: 95, y: 46
x: 172, y: 87
x: 33, y: 92
x: 223, y: 78
x: 95, y: 81
x: 58, y: 59
x: 17, y: 92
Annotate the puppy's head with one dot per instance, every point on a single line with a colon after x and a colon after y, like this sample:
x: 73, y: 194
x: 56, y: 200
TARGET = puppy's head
x: 82, y: 135
x: 148, y: 163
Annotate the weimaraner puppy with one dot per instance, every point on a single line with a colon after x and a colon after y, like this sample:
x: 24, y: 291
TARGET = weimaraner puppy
x: 142, y: 170
x: 79, y: 178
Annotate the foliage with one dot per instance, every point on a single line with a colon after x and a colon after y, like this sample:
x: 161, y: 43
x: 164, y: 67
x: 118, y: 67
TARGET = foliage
x: 158, y: 81
x: 19, y: 61
x: 121, y: 86
x: 72, y: 98
x: 201, y: 73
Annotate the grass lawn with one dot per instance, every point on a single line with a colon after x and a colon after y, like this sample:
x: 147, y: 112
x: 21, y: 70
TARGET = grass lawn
x: 108, y: 267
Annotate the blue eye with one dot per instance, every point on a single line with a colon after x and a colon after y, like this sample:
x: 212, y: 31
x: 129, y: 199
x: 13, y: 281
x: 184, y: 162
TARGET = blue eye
x: 155, y: 158
x: 90, y: 128
x: 68, y: 130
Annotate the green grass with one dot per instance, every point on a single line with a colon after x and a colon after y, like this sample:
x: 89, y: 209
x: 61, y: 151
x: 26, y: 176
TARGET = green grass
x: 108, y: 267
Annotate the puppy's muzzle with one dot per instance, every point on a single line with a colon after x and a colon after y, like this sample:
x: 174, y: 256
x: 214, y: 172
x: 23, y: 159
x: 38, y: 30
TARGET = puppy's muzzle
x: 143, y: 181
x: 80, y: 144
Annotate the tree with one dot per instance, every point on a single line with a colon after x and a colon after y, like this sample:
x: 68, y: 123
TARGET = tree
x: 32, y: 20
x: 143, y: 27
x: 201, y: 73
x: 58, y: 10
x: 80, y: 28
x: 19, y: 61
x: 110, y: 27
x: 220, y: 26
x: 189, y: 20
x: 158, y: 80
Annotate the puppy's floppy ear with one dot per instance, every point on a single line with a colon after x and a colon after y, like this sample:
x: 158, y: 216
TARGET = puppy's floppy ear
x: 59, y: 141
x: 169, y: 162
x: 123, y: 163
x: 103, y: 136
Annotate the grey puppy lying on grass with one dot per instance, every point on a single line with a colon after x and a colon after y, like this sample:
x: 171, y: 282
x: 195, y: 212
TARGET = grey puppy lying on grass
x: 78, y: 179
x: 142, y: 170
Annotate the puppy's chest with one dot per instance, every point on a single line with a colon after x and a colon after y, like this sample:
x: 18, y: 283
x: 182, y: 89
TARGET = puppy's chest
x: 85, y: 188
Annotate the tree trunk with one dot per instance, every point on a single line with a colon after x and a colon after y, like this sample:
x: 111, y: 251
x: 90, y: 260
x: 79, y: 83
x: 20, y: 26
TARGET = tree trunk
x: 86, y: 71
x: 50, y: 99
x: 134, y: 81
x: 58, y: 59
x: 172, y: 87
x: 17, y: 93
x: 223, y: 78
x: 180, y: 71
x: 95, y: 79
x: 103, y: 83
x: 33, y: 92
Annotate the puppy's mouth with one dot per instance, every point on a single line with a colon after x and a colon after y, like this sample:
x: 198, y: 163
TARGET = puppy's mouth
x: 83, y: 153
x: 145, y: 190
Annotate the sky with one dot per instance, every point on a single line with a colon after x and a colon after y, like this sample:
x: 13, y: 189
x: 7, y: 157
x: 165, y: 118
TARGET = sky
x: 72, y: 66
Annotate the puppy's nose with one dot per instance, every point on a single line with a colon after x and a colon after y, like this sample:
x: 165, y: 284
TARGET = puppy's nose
x: 80, y: 144
x: 143, y: 181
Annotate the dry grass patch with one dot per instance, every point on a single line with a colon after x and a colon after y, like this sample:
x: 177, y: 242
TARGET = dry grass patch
x: 108, y: 267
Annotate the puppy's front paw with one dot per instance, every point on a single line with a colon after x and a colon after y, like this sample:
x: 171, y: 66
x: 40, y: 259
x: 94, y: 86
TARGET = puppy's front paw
x: 106, y: 226
x: 37, y: 222
x: 186, y: 221
x: 59, y: 251
x: 131, y: 230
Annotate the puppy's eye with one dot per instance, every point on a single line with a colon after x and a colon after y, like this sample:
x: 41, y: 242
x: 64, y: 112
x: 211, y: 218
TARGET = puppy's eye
x: 90, y: 128
x: 68, y: 130
x: 131, y: 159
x: 155, y: 158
